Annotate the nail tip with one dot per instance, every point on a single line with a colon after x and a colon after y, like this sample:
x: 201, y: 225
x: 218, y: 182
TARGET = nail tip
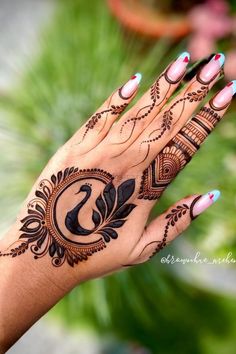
x: 222, y: 58
x: 185, y: 54
x: 234, y: 86
x: 215, y: 193
x: 138, y: 77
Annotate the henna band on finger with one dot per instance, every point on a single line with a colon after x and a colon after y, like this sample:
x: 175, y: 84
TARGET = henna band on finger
x: 172, y: 159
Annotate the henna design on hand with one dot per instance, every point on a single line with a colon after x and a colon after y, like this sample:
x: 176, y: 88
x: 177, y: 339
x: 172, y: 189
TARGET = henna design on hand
x: 51, y: 227
x: 172, y: 218
x: 178, y: 152
x: 114, y: 110
x: 168, y: 118
x: 154, y: 95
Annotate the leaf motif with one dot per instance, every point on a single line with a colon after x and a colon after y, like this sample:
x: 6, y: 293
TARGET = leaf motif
x: 60, y: 251
x: 109, y: 196
x: 66, y: 172
x: 123, y: 211
x: 26, y: 227
x: 96, y: 218
x: 53, y: 179
x: 110, y: 232
x: 105, y: 236
x: 41, y: 241
x: 39, y: 194
x: 124, y: 192
x: 101, y: 206
x: 52, y: 249
x: 116, y: 223
x: 40, y: 209
x: 59, y: 177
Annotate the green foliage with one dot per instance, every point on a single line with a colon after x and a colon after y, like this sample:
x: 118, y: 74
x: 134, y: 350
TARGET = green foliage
x: 84, y: 55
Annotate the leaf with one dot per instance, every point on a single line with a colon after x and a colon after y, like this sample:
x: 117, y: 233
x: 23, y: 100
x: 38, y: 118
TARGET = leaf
x: 105, y: 236
x: 110, y: 232
x: 101, y: 206
x: 66, y: 172
x: 53, y: 179
x: 26, y: 227
x: 109, y: 196
x: 96, y: 218
x: 40, y: 209
x: 124, y: 192
x: 52, y: 249
x: 39, y: 194
x: 41, y: 241
x: 123, y: 211
x: 60, y: 251
x: 116, y: 223
x: 59, y: 177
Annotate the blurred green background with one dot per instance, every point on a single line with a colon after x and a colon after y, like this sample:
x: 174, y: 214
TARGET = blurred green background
x: 87, y: 49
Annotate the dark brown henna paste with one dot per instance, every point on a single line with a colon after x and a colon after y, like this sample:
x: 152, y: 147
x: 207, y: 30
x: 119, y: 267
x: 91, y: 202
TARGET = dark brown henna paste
x: 114, y: 110
x: 172, y: 218
x: 168, y: 118
x: 53, y: 228
x: 146, y: 110
x: 171, y: 160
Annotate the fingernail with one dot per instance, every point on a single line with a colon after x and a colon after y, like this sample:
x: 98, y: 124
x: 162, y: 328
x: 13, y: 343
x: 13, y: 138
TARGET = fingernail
x: 211, y: 69
x: 131, y: 86
x: 205, y: 201
x: 197, y: 67
x: 225, y: 96
x: 178, y: 68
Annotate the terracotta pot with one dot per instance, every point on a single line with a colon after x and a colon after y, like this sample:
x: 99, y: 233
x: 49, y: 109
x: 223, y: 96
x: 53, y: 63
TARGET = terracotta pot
x: 145, y: 21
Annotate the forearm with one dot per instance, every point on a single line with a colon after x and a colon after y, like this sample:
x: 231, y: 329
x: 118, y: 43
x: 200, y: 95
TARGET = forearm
x: 29, y: 288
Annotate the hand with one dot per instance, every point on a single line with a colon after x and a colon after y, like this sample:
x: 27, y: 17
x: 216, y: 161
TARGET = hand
x: 89, y: 208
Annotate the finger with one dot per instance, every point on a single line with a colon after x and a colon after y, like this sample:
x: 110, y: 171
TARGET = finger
x: 176, y: 113
x: 179, y: 151
x: 196, y: 67
x: 98, y: 125
x: 166, y: 227
x: 138, y: 117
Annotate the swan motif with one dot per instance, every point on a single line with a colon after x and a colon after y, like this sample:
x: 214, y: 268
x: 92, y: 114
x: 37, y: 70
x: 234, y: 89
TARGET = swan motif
x: 111, y: 212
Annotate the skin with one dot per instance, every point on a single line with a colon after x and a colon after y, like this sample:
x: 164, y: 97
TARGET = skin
x: 120, y: 150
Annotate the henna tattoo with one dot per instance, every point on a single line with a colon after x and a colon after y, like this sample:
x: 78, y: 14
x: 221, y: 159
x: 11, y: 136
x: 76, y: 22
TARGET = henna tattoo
x: 114, y: 110
x: 53, y: 227
x: 172, y: 218
x: 178, y: 152
x: 154, y: 95
x: 168, y: 115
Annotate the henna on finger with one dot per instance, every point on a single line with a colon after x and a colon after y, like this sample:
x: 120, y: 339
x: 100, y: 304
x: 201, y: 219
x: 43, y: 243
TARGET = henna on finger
x: 178, y: 112
x: 101, y: 121
x: 173, y: 218
x: 157, y: 96
x: 179, y: 151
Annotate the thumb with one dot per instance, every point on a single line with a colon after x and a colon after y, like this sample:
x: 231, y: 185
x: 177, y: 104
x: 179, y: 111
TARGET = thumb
x: 167, y: 226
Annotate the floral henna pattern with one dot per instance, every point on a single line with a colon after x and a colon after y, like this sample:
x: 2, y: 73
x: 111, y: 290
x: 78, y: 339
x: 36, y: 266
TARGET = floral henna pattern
x: 52, y: 227
x: 114, y: 110
x: 172, y: 159
x: 145, y: 111
x: 169, y: 118
x: 172, y: 218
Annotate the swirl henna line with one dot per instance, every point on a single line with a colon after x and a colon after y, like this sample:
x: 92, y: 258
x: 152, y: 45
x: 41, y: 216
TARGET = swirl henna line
x: 154, y: 96
x: 172, y: 218
x: 177, y: 153
x: 44, y: 234
x: 168, y: 115
x: 112, y: 109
